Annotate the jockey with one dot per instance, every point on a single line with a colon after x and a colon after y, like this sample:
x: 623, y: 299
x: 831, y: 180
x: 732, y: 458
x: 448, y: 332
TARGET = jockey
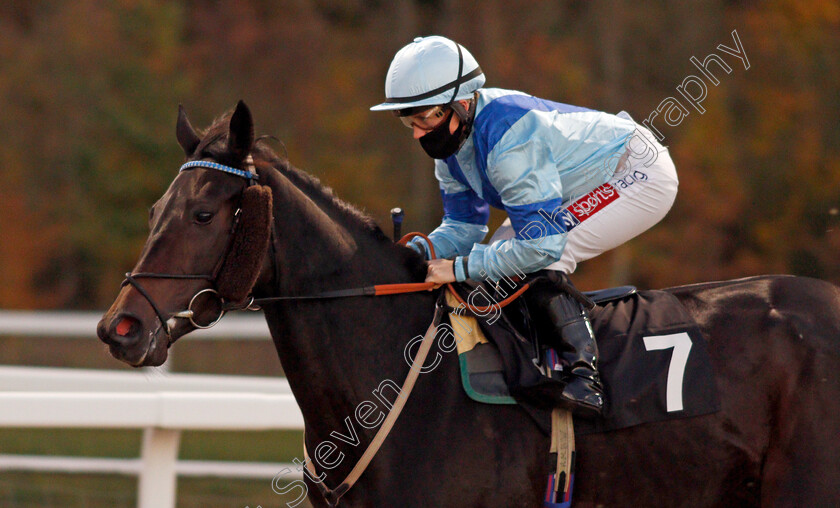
x: 574, y: 183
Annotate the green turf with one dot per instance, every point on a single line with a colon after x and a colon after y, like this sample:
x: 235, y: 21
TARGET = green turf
x: 266, y: 446
x: 43, y: 490
x: 49, y: 490
x: 71, y: 442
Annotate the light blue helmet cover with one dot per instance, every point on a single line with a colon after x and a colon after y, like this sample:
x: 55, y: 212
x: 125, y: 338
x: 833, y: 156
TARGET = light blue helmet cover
x: 430, y: 71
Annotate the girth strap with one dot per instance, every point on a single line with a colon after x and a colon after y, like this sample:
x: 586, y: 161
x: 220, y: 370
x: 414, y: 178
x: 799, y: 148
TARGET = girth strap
x: 333, y: 495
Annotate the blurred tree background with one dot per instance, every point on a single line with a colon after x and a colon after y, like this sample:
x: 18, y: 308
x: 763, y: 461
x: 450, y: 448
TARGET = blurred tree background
x: 89, y: 91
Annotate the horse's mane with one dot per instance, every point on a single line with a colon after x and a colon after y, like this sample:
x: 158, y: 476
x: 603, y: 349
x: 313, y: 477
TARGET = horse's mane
x: 310, y: 185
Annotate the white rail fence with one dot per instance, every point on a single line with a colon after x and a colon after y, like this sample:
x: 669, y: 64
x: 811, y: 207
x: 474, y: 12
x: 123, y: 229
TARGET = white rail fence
x: 163, y: 404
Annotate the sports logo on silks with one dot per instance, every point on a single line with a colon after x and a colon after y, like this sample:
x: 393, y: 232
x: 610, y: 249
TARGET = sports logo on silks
x: 582, y: 208
x: 596, y: 200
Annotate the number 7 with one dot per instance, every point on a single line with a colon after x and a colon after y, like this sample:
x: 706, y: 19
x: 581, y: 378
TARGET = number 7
x: 681, y: 343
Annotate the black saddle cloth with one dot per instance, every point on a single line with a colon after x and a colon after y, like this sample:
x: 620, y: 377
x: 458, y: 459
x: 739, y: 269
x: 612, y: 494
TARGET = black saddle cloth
x: 654, y: 361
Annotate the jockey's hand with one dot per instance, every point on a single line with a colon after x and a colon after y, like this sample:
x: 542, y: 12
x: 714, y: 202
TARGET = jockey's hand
x: 441, y: 271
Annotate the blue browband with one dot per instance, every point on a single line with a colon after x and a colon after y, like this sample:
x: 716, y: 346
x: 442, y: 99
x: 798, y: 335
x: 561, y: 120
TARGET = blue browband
x: 221, y: 167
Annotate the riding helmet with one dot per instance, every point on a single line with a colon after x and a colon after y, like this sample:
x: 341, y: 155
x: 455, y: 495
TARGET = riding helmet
x: 430, y: 71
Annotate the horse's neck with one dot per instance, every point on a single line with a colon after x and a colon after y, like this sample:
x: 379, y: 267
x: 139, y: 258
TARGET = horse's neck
x: 336, y: 352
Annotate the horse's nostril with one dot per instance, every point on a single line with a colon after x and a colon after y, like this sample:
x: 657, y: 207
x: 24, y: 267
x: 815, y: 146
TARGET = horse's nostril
x: 127, y: 326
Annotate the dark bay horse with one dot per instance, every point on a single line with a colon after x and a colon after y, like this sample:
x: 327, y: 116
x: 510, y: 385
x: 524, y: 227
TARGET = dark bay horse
x: 774, y: 342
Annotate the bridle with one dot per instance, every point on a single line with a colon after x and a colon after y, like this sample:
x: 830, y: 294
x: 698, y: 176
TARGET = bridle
x: 251, y: 177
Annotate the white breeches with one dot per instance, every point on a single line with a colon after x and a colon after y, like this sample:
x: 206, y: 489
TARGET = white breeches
x: 638, y: 196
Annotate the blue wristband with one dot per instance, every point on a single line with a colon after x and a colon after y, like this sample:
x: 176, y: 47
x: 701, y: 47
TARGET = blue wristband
x: 461, y: 267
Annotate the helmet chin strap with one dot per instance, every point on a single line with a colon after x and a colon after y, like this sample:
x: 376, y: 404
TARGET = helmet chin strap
x: 463, y: 114
x: 466, y: 116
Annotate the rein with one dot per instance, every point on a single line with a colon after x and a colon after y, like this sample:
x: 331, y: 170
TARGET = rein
x: 380, y: 290
x: 377, y: 290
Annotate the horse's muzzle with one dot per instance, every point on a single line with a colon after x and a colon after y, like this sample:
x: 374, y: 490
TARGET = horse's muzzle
x: 131, y: 342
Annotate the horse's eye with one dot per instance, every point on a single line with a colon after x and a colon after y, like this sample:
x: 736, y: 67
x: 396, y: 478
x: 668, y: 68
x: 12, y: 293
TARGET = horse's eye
x: 203, y: 217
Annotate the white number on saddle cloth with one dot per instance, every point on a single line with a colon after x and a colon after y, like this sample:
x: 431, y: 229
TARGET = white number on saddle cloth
x: 681, y: 343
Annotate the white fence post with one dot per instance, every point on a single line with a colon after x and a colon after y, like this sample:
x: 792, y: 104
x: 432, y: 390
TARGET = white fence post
x: 158, y: 478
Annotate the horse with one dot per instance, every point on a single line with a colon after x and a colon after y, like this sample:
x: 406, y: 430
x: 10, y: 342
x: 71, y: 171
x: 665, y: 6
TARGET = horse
x: 773, y: 342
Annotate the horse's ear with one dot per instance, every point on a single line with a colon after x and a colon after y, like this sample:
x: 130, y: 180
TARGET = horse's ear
x: 241, y: 136
x: 185, y: 133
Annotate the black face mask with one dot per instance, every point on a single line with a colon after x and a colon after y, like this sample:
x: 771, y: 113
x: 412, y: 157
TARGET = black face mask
x: 439, y: 143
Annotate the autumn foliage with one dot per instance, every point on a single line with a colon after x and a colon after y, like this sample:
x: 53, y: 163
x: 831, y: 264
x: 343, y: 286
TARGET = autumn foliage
x: 89, y: 92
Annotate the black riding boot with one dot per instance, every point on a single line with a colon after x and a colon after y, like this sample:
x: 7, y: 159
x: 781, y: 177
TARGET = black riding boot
x: 579, y: 352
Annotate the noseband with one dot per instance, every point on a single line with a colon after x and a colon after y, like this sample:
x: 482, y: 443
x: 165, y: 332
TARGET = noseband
x: 251, y: 176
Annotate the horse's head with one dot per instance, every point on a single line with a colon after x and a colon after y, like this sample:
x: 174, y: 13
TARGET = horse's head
x: 207, y: 246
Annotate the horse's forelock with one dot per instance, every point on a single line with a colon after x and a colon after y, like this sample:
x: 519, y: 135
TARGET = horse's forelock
x: 213, y: 144
x: 214, y: 140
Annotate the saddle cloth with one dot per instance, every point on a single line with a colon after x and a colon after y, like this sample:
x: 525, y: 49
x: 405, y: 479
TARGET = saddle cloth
x: 654, y: 361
